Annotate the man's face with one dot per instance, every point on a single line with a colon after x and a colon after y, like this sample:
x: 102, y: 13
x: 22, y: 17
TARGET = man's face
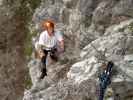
x: 50, y: 30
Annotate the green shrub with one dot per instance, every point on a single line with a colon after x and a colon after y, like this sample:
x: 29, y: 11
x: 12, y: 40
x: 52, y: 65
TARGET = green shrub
x: 130, y: 27
x: 28, y: 82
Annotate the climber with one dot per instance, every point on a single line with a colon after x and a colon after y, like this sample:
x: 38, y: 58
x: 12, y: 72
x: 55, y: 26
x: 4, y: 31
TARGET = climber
x: 49, y: 41
x: 105, y: 79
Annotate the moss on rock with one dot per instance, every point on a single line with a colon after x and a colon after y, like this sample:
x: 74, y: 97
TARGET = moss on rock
x: 130, y: 27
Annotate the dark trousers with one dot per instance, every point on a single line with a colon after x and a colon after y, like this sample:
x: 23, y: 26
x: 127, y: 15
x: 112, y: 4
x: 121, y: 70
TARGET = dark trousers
x: 53, y: 56
x: 101, y: 95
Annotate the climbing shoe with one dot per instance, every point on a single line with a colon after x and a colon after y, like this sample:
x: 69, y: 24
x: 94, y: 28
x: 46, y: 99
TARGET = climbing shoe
x: 43, y: 75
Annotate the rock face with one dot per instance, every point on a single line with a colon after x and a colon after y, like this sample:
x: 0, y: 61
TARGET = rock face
x: 95, y: 32
x: 118, y: 50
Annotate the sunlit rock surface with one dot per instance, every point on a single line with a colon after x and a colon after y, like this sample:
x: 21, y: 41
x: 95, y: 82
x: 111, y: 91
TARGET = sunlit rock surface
x: 95, y: 31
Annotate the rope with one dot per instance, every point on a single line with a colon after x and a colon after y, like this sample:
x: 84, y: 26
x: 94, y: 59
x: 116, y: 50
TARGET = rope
x: 101, y: 55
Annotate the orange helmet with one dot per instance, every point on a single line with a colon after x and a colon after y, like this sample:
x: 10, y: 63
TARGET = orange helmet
x: 48, y: 24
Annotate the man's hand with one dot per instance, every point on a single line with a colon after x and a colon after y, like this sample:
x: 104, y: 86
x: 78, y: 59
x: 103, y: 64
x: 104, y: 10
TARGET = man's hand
x: 61, y: 49
x: 41, y: 53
